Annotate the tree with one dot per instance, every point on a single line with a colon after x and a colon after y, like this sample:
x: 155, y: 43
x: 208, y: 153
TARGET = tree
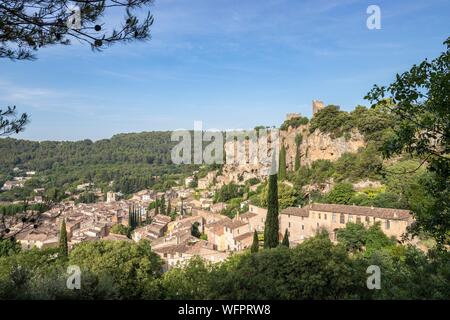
x: 195, y: 232
x: 285, y: 241
x: 282, y: 163
x: 163, y: 205
x: 271, y: 225
x: 353, y: 236
x: 255, y: 245
x: 420, y: 101
x: 121, y: 229
x: 63, y: 246
x: 156, y: 207
x: 27, y: 26
x: 9, y: 123
x: 341, y: 193
x: 169, y: 208
x: 298, y: 142
x: 8, y: 247
x: 129, y: 268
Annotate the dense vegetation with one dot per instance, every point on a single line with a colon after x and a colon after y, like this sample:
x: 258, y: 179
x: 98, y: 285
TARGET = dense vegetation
x: 132, y: 162
x: 294, y: 123
x: 315, y: 269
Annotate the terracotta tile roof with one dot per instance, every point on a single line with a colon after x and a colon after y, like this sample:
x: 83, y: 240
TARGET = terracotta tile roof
x: 176, y: 248
x: 235, y: 224
x: 244, y: 236
x: 247, y: 215
x: 294, y: 211
x: 382, y: 213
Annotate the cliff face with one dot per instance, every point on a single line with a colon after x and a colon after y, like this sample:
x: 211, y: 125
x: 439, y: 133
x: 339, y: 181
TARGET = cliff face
x: 318, y: 145
x: 314, y: 146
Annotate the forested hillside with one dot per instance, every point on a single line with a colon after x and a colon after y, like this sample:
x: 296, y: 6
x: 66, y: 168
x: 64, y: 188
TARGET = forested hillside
x: 132, y: 161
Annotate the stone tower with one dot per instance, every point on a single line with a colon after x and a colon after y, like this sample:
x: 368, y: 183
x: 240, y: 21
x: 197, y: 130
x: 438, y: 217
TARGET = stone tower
x: 110, y: 197
x: 317, y: 105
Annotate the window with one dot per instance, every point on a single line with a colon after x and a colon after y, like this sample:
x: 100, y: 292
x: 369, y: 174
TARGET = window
x: 289, y: 216
x: 342, y: 218
x: 367, y: 219
x: 388, y: 224
x: 289, y: 225
x: 350, y: 218
x: 358, y: 219
x: 333, y: 217
x: 317, y: 224
x: 319, y: 215
x: 325, y: 216
x: 303, y: 227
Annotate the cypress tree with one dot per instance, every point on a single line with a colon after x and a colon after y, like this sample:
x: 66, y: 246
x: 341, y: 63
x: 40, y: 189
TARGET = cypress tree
x: 285, y: 241
x: 163, y: 205
x: 255, y: 245
x: 271, y: 224
x: 63, y: 246
x: 130, y: 217
x: 156, y: 207
x: 282, y: 164
x: 298, y: 141
x: 169, y: 208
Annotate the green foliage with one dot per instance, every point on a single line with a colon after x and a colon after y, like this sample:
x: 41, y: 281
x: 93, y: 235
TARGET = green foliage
x: 191, y: 282
x: 121, y: 229
x: 365, y: 164
x: 419, y: 100
x: 63, y: 246
x: 255, y: 244
x: 12, y: 209
x: 8, y: 247
x: 130, y: 268
x: 298, y: 142
x: 315, y: 269
x: 228, y: 192
x: 282, y: 164
x: 341, y: 194
x: 355, y: 237
x: 330, y: 120
x: 271, y: 224
x: 132, y: 161
x: 294, y: 123
x: 86, y: 197
x: 195, y: 232
x: 285, y: 241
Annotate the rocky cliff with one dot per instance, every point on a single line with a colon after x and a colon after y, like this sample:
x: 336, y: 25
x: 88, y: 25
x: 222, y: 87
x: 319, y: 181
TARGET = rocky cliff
x: 314, y: 146
x: 318, y: 145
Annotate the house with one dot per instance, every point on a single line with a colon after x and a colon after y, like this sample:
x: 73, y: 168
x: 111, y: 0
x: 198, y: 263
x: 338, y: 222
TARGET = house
x: 40, y: 239
x: 255, y: 217
x: 179, y: 254
x: 154, y: 230
x: 11, y: 184
x: 215, y: 232
x: 233, y: 229
x: 243, y: 241
x: 303, y: 223
x: 206, y: 203
x: 218, y: 207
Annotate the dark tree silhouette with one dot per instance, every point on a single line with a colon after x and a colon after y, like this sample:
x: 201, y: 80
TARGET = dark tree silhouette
x: 28, y: 25
x: 10, y: 123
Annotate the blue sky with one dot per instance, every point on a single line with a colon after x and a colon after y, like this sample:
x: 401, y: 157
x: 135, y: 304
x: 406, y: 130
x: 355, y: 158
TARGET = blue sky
x: 230, y: 64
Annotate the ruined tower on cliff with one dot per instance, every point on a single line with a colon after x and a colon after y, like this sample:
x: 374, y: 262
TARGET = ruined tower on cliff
x: 317, y: 106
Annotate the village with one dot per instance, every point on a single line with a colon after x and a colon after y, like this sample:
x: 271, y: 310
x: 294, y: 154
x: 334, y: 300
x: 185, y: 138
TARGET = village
x: 198, y: 227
